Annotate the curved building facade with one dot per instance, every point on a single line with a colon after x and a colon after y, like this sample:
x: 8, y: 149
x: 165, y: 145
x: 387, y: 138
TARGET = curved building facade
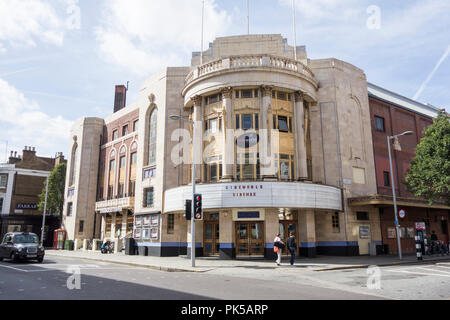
x: 279, y: 145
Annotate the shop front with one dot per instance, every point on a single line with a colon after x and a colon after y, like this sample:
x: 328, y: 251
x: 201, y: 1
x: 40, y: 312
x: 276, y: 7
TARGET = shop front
x: 241, y: 220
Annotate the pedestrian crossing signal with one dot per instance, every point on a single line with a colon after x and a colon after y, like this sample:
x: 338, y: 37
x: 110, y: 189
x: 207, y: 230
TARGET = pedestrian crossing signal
x: 198, y: 213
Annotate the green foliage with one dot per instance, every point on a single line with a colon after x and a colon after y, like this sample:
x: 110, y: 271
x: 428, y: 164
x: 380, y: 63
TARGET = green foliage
x: 55, y: 198
x: 429, y: 176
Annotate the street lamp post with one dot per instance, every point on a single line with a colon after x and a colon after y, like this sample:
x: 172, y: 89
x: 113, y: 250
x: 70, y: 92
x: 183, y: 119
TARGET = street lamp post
x: 44, y: 213
x: 394, y: 197
x: 175, y: 117
x: 47, y: 176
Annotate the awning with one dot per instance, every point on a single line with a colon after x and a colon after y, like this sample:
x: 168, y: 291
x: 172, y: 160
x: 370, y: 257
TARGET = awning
x: 383, y: 200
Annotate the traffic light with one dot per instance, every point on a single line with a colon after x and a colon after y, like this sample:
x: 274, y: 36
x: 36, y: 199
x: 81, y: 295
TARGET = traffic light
x: 188, y: 210
x: 198, y: 214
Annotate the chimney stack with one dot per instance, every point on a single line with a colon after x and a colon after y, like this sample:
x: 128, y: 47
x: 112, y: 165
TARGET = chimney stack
x: 120, y: 98
x: 59, y: 159
x: 13, y: 158
x: 29, y: 153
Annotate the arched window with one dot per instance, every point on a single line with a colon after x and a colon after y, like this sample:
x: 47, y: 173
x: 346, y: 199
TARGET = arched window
x: 75, y: 159
x: 152, y: 138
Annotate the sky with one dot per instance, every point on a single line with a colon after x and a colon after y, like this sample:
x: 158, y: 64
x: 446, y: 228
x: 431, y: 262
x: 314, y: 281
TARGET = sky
x: 60, y: 59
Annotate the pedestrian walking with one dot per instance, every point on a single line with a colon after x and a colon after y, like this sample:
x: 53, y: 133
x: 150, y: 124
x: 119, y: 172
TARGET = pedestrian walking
x: 278, y: 246
x: 292, y: 246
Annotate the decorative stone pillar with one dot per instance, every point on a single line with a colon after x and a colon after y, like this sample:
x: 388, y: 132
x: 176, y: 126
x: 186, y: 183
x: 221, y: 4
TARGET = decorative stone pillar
x: 307, y: 233
x: 198, y: 136
x: 198, y: 239
x: 113, y: 226
x: 265, y: 151
x: 301, y: 169
x: 227, y: 248
x: 227, y: 135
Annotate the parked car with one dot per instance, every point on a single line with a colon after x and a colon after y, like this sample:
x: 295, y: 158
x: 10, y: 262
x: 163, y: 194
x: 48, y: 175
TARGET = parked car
x: 21, y: 246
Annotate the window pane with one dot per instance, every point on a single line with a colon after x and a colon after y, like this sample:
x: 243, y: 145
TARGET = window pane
x: 284, y: 170
x: 247, y: 171
x: 213, y: 125
x: 246, y: 94
x: 386, y: 177
x: 379, y: 124
x: 214, y: 172
x: 247, y: 122
x: 282, y: 124
x: 152, y: 138
x: 256, y: 121
x: 238, y: 122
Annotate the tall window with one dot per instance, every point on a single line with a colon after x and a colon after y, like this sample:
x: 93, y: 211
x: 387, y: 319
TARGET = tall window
x: 170, y: 223
x: 379, y: 124
x: 81, y: 227
x: 125, y: 130
x: 386, y: 178
x: 132, y: 186
x: 69, y: 209
x: 112, y: 176
x: 136, y: 126
x: 152, y: 138
x: 1, y: 205
x: 115, y: 135
x: 75, y: 157
x: 122, y: 165
x: 148, y: 197
x: 3, y: 181
x: 335, y: 223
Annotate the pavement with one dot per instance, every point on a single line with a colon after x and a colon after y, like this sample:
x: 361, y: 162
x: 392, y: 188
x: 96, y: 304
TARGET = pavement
x: 183, y: 264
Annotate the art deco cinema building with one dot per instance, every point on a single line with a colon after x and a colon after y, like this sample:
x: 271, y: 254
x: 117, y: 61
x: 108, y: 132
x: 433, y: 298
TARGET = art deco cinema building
x: 130, y: 174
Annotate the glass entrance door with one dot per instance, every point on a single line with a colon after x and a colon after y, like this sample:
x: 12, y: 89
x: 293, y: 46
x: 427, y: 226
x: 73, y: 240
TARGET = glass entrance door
x: 249, y: 238
x: 211, y: 238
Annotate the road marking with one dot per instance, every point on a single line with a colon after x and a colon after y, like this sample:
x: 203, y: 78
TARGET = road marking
x: 447, y: 272
x: 1, y: 265
x: 420, y: 273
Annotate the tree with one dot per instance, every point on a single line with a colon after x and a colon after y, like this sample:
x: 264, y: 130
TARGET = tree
x: 429, y: 175
x: 55, y: 198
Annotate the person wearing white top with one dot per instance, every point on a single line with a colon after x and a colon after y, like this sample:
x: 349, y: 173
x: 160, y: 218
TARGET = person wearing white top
x: 278, y: 239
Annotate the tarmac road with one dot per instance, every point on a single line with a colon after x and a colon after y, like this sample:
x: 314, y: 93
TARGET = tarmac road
x: 108, y: 281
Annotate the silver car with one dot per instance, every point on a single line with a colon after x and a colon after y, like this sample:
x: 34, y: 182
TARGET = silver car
x: 21, y: 246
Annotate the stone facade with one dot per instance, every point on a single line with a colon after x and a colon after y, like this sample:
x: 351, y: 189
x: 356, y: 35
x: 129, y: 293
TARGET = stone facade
x: 281, y: 145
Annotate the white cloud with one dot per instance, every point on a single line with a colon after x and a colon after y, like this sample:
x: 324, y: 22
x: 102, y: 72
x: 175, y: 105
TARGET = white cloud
x: 330, y: 10
x: 23, y: 23
x: 24, y: 124
x: 143, y: 36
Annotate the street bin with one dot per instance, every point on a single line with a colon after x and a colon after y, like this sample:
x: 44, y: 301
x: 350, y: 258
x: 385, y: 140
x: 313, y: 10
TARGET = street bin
x: 143, y: 251
x: 68, y: 245
x: 130, y: 247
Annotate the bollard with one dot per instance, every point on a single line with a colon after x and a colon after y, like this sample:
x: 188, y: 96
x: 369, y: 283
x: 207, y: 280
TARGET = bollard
x: 418, y: 248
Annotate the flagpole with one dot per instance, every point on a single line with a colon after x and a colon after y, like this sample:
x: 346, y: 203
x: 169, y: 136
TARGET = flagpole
x: 295, y: 31
x: 248, y: 17
x: 203, y: 18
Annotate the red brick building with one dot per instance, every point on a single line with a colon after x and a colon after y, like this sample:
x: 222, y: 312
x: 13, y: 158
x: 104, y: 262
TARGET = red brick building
x: 21, y: 181
x: 392, y: 114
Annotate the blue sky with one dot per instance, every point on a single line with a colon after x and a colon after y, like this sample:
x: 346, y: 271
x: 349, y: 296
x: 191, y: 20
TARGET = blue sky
x: 60, y: 59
